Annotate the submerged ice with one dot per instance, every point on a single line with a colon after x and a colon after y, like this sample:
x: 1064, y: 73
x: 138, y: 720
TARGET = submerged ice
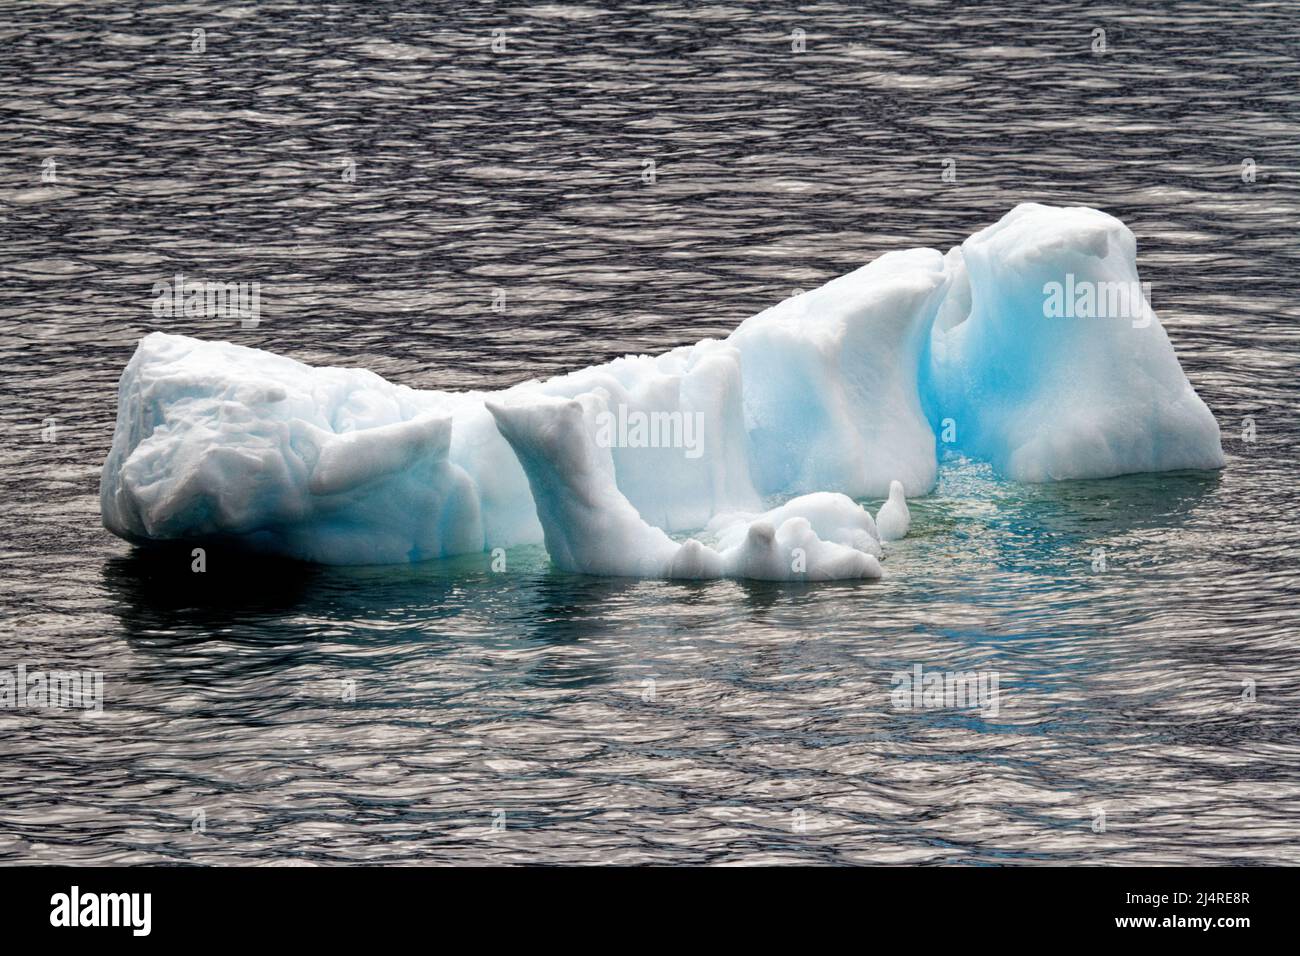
x: 850, y: 391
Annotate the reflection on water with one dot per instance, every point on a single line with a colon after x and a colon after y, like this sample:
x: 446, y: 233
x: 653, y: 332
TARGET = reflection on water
x: 1142, y: 629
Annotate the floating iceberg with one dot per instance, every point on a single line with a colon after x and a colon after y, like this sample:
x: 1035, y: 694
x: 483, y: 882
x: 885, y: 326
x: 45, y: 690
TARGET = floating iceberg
x: 1015, y: 348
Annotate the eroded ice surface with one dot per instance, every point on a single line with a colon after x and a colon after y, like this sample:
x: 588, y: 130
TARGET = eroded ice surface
x: 842, y: 392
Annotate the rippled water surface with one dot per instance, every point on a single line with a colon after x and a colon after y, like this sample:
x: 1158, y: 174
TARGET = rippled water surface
x: 1148, y: 711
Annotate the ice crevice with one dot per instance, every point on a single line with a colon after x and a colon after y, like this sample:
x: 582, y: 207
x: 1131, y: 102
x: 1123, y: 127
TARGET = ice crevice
x: 850, y: 391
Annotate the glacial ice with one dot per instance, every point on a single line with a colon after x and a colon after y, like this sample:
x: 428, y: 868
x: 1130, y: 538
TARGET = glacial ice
x: 852, y: 390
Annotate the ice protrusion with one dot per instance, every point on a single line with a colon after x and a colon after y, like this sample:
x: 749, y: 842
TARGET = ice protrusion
x: 589, y: 525
x: 695, y: 561
x: 792, y: 551
x: 591, y: 528
x: 893, y: 519
x: 342, y: 462
x: 833, y: 517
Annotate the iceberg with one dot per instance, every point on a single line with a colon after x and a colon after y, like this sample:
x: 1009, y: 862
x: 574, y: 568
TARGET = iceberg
x: 1031, y: 346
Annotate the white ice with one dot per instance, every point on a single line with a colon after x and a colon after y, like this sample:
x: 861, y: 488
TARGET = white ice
x: 590, y: 527
x: 842, y: 392
x: 894, y: 519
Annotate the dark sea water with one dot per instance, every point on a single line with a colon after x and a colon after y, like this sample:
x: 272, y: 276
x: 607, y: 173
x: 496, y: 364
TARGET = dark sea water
x: 1148, y: 711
